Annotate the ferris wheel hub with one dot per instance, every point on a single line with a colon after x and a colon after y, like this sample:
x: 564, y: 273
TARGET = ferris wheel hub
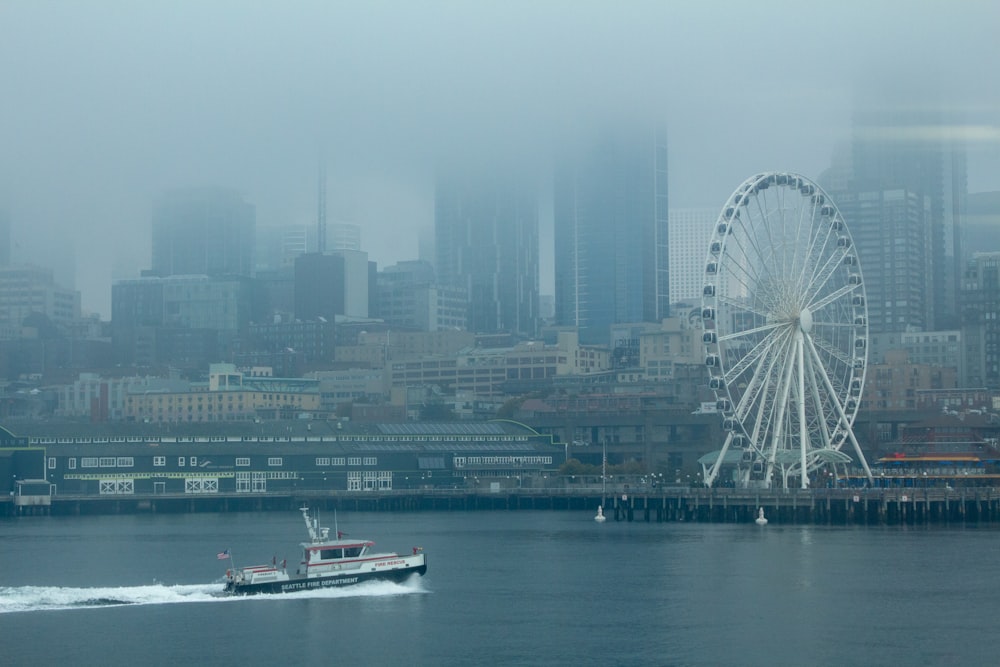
x: 806, y: 320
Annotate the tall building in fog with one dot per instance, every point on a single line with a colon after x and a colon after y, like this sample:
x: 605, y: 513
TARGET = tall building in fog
x: 203, y: 231
x: 980, y: 325
x: 343, y: 236
x: 910, y: 151
x: 486, y: 242
x: 892, y: 232
x: 611, y: 242
x: 277, y: 247
x: 690, y: 232
x: 981, y: 224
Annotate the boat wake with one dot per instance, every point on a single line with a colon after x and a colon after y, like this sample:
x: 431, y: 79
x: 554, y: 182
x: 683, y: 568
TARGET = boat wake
x: 48, y: 598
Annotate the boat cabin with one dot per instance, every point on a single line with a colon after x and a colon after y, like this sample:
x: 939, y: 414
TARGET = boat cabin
x: 319, y: 558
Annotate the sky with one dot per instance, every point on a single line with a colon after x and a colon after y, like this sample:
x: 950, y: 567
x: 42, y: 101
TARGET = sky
x: 106, y: 104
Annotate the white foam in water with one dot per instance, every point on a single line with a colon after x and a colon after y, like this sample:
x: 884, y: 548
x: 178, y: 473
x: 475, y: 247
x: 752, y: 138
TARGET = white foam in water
x: 41, y: 598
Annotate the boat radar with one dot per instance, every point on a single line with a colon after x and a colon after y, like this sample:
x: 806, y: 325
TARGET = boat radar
x: 761, y: 520
x: 600, y: 518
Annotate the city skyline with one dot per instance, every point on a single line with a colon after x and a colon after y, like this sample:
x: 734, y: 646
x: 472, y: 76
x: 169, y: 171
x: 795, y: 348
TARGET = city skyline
x: 115, y: 105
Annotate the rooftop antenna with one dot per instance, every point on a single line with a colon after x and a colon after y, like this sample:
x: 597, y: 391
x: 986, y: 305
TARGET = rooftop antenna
x: 321, y: 208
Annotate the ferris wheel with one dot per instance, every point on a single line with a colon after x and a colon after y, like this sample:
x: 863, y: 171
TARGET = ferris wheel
x: 785, y: 332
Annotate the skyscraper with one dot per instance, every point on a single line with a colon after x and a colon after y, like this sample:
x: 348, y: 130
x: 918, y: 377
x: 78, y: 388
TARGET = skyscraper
x: 486, y: 242
x: 610, y: 224
x: 892, y: 233
x: 910, y: 150
x: 203, y: 231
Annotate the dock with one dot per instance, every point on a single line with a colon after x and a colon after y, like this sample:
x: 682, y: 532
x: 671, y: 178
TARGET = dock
x: 868, y: 506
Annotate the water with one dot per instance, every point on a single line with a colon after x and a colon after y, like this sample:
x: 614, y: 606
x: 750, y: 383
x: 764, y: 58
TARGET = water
x: 535, y: 588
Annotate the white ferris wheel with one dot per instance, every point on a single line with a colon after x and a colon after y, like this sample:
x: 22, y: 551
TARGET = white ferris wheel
x: 785, y: 331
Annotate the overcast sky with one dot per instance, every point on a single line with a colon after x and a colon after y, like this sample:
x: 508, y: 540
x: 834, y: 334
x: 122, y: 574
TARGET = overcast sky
x: 106, y: 104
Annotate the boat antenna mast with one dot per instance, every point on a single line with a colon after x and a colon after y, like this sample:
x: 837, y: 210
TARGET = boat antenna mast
x: 316, y: 532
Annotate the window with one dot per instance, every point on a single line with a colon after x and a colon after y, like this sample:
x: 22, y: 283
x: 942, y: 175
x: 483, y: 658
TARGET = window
x: 194, y: 460
x: 88, y: 462
x: 354, y: 481
x: 322, y: 461
x: 159, y: 461
x: 124, y: 462
x: 243, y: 461
x: 180, y: 461
x: 52, y: 463
x: 370, y: 460
x: 107, y: 462
x: 72, y: 463
x: 353, y: 460
x: 337, y: 461
x: 274, y: 461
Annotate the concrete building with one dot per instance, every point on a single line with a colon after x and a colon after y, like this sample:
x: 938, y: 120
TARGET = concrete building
x: 895, y: 384
x: 229, y: 395
x: 410, y: 297
x: 26, y: 289
x: 181, y: 320
x: 331, y: 284
x: 103, y: 398
x: 492, y: 372
x: 690, y: 230
x: 931, y: 348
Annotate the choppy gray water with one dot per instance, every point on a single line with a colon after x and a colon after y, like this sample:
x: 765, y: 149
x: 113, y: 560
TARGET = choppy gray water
x: 551, y: 588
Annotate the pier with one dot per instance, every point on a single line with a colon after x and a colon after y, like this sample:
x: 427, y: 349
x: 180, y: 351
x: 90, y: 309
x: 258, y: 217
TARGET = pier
x: 878, y: 506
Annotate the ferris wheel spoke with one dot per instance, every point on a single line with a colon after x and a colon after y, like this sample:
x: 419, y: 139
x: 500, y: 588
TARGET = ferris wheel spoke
x: 743, y: 257
x: 738, y: 305
x: 832, y: 351
x: 757, y: 381
x: 807, y: 244
x: 750, y: 357
x: 746, y: 333
x: 768, y: 399
x: 832, y: 297
x: 822, y: 275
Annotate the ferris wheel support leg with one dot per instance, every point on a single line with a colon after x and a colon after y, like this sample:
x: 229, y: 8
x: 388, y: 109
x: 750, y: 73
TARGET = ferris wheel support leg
x: 861, y: 456
x: 717, y: 466
x: 843, y: 420
x: 801, y: 400
x: 785, y: 387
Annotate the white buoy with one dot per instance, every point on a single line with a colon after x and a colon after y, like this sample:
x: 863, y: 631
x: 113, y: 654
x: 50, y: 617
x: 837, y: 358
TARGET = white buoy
x: 761, y: 520
x: 600, y: 515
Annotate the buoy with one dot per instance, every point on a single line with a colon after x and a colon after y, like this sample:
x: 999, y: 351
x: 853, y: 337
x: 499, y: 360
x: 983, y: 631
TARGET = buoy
x: 600, y: 515
x: 761, y: 520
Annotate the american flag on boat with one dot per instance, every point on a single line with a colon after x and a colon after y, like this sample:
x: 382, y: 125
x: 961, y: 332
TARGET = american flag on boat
x: 222, y: 555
